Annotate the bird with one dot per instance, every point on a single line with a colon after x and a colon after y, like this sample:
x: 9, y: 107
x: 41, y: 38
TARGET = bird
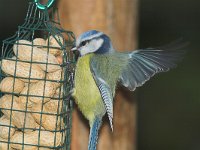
x: 100, y: 68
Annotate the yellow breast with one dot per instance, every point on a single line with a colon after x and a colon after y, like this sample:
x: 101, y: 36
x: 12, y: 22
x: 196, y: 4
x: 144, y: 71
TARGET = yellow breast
x: 86, y: 92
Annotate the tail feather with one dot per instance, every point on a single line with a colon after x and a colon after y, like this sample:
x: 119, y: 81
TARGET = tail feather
x: 94, y: 130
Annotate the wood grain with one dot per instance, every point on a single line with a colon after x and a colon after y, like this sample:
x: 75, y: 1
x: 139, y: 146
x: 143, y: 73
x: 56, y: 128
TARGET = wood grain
x: 118, y: 19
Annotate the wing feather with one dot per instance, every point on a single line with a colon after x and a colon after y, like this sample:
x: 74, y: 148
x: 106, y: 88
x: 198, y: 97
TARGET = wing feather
x: 145, y: 63
x: 132, y: 69
x: 104, y: 90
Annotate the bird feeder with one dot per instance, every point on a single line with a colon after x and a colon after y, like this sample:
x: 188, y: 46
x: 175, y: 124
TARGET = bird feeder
x: 36, y: 74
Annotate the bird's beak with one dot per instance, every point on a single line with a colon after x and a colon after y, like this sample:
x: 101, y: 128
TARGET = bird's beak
x: 76, y: 52
x: 74, y: 49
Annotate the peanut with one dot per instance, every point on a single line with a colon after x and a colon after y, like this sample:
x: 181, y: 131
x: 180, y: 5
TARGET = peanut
x: 5, y: 126
x: 46, y: 139
x: 29, y: 138
x: 23, y: 70
x: 37, y: 109
x: 54, y: 106
x: 39, y: 42
x: 60, y: 59
x: 4, y: 144
x: 56, y: 77
x: 54, y: 46
x: 8, y: 103
x: 52, y: 122
x: 25, y: 51
x: 48, y: 121
x: 24, y: 101
x: 59, y: 93
x: 10, y: 84
x: 41, y: 91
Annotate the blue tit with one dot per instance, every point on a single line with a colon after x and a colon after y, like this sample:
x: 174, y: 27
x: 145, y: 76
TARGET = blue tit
x: 100, y: 67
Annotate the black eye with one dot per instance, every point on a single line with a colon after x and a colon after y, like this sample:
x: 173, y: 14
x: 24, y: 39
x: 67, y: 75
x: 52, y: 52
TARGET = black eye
x: 83, y: 43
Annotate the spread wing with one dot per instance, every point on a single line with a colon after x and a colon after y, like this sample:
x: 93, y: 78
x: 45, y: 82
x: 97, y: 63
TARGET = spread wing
x: 143, y: 64
x: 132, y: 69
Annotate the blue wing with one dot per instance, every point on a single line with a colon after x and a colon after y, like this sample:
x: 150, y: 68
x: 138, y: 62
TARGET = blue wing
x: 105, y: 91
x: 106, y: 69
x: 143, y: 64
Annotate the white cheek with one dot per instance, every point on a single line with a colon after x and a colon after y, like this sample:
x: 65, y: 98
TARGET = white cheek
x: 83, y: 51
x: 98, y: 43
x: 93, y: 46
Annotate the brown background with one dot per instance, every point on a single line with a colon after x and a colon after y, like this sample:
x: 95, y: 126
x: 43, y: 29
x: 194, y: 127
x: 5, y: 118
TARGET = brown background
x: 168, y: 105
x: 117, y: 18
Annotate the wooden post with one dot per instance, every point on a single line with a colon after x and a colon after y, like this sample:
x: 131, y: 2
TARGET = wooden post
x: 118, y: 19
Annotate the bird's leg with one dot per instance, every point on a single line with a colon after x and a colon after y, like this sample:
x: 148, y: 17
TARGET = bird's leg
x: 94, y: 129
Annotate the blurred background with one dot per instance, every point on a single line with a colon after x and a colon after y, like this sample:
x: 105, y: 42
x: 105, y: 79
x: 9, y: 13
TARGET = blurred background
x: 168, y: 106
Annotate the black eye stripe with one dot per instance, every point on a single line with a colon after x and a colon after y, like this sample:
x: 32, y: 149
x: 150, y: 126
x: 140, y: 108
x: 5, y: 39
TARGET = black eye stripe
x: 84, y: 43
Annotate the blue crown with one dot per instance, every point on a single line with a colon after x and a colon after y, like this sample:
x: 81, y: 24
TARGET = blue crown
x: 88, y: 33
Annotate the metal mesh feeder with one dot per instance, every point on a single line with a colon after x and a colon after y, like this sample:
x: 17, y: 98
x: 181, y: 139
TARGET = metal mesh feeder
x: 36, y: 76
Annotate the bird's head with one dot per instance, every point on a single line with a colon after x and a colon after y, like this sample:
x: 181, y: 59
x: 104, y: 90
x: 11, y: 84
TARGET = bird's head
x: 93, y: 42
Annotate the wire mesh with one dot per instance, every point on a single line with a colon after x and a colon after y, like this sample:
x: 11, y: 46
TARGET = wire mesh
x: 36, y: 76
